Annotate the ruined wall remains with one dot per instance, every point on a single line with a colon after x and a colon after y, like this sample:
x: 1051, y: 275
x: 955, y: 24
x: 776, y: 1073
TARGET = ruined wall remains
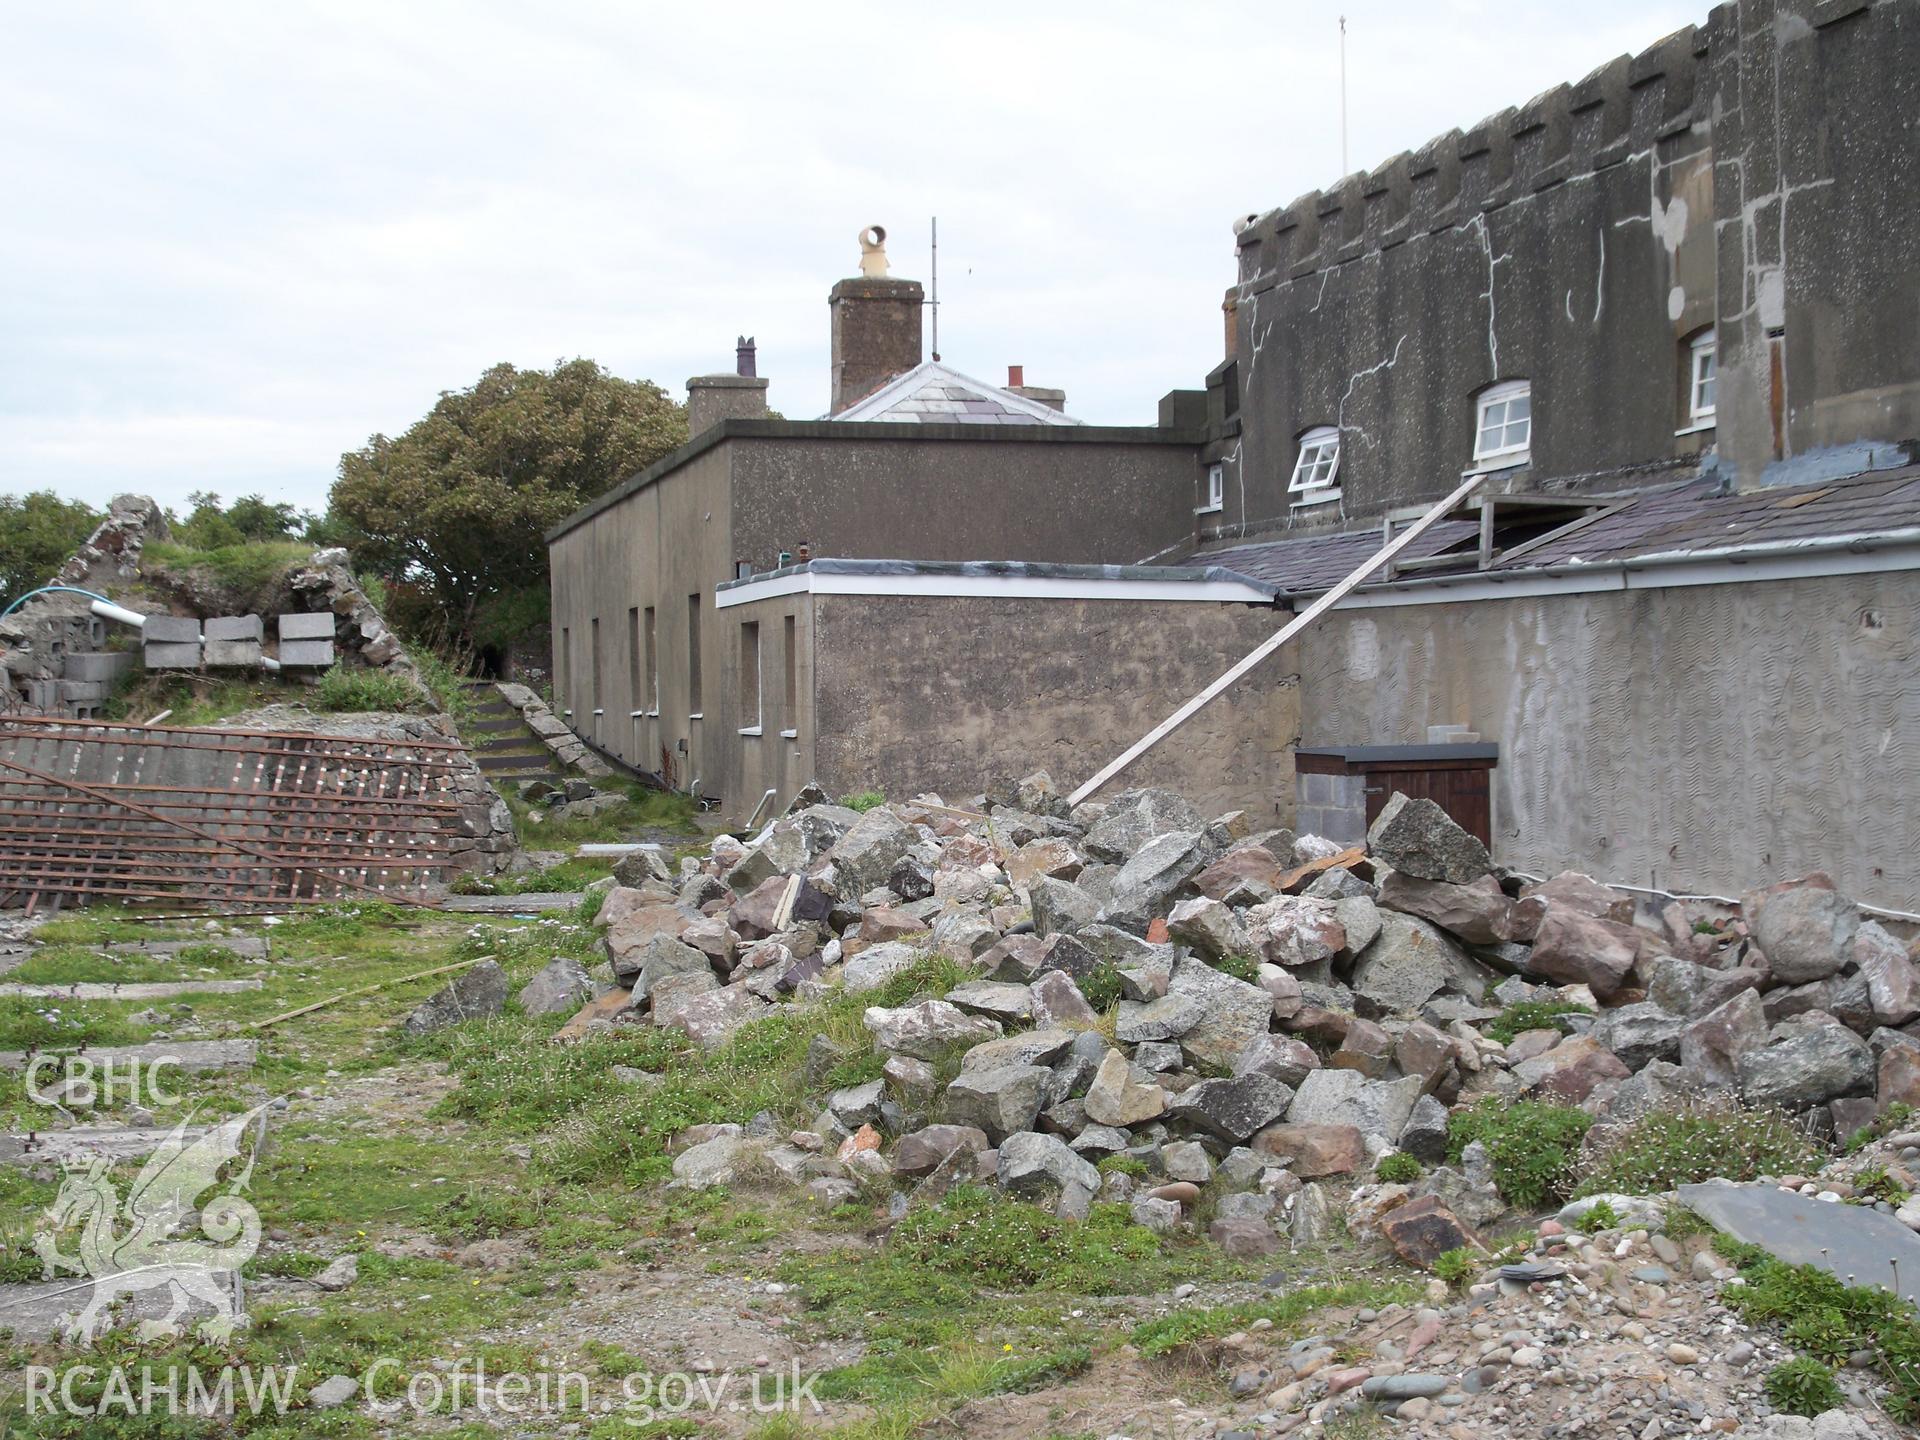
x: 938, y: 694
x: 1712, y: 737
x: 1757, y: 173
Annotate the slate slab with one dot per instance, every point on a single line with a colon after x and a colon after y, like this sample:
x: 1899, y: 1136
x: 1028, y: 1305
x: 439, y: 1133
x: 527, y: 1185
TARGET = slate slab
x: 1860, y: 1246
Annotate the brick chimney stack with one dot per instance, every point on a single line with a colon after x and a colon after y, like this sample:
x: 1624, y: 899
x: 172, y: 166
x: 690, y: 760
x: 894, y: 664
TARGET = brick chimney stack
x: 744, y: 358
x: 876, y: 325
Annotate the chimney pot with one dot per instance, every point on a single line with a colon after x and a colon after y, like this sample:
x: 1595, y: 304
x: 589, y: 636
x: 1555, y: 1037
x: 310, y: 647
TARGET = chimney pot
x: 1016, y: 376
x: 744, y: 362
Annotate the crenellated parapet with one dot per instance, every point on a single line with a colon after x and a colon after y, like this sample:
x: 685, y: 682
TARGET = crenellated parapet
x: 1620, y: 111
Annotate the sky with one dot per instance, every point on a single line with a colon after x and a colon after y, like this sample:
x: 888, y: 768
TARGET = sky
x: 237, y: 240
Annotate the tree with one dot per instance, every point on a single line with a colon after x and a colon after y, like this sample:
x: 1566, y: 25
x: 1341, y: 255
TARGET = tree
x: 38, y: 532
x: 213, y: 526
x: 459, y: 504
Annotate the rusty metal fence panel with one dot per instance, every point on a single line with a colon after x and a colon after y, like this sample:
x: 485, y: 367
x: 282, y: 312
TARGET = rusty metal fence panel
x: 228, y: 818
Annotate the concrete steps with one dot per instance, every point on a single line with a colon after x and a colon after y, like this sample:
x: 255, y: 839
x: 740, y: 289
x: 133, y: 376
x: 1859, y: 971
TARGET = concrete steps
x: 506, y: 751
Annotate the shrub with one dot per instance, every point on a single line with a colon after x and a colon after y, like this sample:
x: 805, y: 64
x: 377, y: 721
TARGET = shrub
x: 1533, y: 1147
x: 1101, y: 986
x: 1803, y: 1386
x: 1456, y: 1266
x: 1011, y: 1245
x: 1600, y: 1216
x: 1398, y: 1168
x: 1685, y: 1143
x: 342, y: 688
x: 1531, y: 1015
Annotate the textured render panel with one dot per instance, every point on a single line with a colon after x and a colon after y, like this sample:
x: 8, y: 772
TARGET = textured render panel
x: 944, y: 694
x: 1708, y: 738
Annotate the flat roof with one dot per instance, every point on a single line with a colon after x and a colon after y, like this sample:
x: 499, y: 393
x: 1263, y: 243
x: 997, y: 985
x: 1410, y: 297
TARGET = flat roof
x: 1004, y: 579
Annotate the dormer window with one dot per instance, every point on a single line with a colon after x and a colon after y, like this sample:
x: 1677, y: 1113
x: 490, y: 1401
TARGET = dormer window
x: 1700, y: 381
x: 1503, y: 425
x: 1316, y: 470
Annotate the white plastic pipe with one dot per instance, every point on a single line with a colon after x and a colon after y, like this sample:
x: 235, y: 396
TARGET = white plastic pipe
x: 1293, y: 627
x: 107, y: 610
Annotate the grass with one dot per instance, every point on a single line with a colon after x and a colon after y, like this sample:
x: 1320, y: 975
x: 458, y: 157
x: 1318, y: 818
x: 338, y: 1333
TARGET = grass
x: 346, y: 688
x: 646, y: 810
x: 1533, y: 1147
x: 249, y: 571
x: 864, y: 800
x: 1398, y: 1168
x: 1186, y: 1327
x: 1894, y: 1118
x: 200, y: 699
x: 1531, y: 1015
x: 1688, y: 1142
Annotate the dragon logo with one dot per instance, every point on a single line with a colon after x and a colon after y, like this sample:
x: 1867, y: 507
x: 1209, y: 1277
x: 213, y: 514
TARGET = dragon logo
x: 147, y: 1254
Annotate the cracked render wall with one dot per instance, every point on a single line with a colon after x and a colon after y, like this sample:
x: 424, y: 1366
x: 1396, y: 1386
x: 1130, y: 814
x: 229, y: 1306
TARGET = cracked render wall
x: 1712, y: 737
x: 1760, y: 170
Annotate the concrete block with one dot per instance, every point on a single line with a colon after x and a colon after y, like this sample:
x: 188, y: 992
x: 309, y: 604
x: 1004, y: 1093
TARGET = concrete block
x: 170, y: 656
x: 307, y: 627
x: 100, y: 666
x: 235, y: 627
x: 81, y: 692
x: 171, y: 630
x: 306, y: 654
x: 233, y: 654
x: 42, y: 695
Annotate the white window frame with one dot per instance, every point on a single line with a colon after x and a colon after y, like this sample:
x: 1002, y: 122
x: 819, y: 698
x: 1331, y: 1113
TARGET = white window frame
x: 1503, y: 455
x: 1703, y: 357
x: 1317, y: 447
x: 1216, y: 490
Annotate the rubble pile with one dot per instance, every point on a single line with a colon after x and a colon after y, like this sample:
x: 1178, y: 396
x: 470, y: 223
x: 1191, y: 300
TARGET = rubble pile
x: 1287, y: 1012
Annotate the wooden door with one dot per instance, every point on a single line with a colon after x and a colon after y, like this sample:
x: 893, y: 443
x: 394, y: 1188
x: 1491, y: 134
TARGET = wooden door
x: 1460, y: 789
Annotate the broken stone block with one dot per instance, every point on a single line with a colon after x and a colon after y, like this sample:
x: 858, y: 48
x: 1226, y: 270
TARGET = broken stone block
x: 870, y: 848
x: 1809, y: 1066
x: 1893, y: 982
x: 560, y: 988
x: 1711, y: 1046
x: 1059, y: 907
x: 1280, y: 1057
x: 1687, y: 988
x: 1312, y: 1151
x: 1232, y: 1109
x: 643, y: 969
x: 1034, y: 1164
x: 1423, y: 1230
x: 1805, y: 928
x: 1640, y: 1033
x: 1121, y: 1097
x: 1424, y: 1136
x: 710, y: 1018
x: 1476, y: 912
x: 475, y: 994
x: 998, y: 1099
x: 1048, y: 858
x: 1154, y: 877
x: 1578, y: 949
x: 1186, y: 1160
x: 1232, y: 1012
x: 1408, y: 965
x: 1583, y: 895
x: 1296, y: 930
x: 1057, y: 1001
x: 1420, y: 838
x: 996, y: 999
x: 1211, y: 928
x: 1135, y: 817
x: 1570, y: 1071
x: 872, y: 968
x: 1245, y: 875
x: 1243, y: 1237
x: 922, y: 1152
x: 1168, y: 1018
x: 1031, y: 1047
x: 928, y: 1030
x: 1345, y: 1097
x: 1366, y: 1048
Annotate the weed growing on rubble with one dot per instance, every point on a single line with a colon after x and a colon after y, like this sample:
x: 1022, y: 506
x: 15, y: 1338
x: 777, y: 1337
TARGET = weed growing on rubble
x: 1456, y: 1266
x: 1828, y: 1320
x: 1894, y: 1117
x: 1533, y: 1147
x: 1184, y: 1327
x: 1686, y: 1143
x: 350, y: 689
x: 1803, y: 1386
x: 864, y: 801
x: 1398, y: 1168
x: 1531, y: 1015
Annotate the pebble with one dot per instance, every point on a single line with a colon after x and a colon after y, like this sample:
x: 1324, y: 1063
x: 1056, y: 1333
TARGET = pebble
x: 1404, y: 1387
x: 1653, y: 1275
x: 1683, y: 1354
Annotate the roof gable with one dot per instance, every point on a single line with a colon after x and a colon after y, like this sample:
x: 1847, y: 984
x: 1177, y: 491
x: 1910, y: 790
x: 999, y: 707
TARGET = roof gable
x: 935, y: 394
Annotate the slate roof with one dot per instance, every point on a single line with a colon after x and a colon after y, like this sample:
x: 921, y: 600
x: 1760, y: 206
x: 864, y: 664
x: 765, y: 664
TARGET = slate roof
x: 1320, y: 562
x: 1688, y: 518
x: 935, y: 394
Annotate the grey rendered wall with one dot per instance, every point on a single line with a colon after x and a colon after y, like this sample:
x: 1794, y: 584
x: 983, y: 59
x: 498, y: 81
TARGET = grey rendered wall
x: 1710, y: 738
x: 1063, y: 496
x: 944, y: 694
x: 1568, y: 242
x: 1816, y: 134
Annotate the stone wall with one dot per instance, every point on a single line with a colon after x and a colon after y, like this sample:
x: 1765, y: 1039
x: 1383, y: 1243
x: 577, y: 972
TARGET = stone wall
x: 1707, y: 738
x: 1756, y: 175
x: 916, y: 694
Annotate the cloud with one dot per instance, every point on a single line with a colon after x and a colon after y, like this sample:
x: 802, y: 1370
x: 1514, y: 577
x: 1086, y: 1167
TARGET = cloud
x: 242, y: 239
